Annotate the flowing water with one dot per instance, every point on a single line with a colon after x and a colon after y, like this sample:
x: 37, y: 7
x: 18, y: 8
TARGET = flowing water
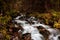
x: 35, y: 35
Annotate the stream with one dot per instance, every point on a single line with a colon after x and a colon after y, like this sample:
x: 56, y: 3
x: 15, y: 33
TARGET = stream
x: 32, y: 29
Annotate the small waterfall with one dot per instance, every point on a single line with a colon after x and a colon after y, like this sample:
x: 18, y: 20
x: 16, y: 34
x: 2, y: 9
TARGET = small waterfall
x: 32, y: 28
x: 35, y: 35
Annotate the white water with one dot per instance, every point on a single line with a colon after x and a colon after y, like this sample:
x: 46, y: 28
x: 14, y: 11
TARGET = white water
x: 54, y: 34
x: 35, y: 35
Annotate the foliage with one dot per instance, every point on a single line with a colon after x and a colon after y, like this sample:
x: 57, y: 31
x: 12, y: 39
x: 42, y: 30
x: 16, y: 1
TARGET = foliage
x: 53, y: 17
